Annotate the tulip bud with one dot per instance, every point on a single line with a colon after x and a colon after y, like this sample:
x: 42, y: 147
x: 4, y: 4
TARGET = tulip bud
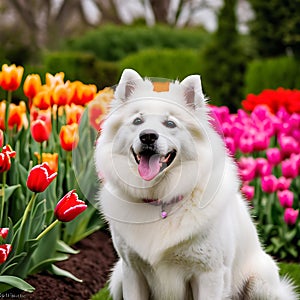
x: 40, y: 131
x: 69, y: 207
x: 39, y: 178
x: 4, y: 252
x: 4, y: 233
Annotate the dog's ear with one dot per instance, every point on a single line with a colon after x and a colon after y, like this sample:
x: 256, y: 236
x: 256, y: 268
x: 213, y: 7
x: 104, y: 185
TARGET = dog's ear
x: 193, y: 93
x: 127, y: 84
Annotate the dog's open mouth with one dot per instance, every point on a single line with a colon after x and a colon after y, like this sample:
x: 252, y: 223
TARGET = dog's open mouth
x: 151, y: 163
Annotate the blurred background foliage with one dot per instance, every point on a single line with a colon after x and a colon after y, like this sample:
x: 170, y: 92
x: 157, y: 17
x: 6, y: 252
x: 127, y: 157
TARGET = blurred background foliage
x: 93, y: 40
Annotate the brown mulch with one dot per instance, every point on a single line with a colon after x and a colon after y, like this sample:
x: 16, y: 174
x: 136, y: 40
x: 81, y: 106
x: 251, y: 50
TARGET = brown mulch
x: 92, y: 265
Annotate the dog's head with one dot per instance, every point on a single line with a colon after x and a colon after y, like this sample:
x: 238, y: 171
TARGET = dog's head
x: 156, y: 143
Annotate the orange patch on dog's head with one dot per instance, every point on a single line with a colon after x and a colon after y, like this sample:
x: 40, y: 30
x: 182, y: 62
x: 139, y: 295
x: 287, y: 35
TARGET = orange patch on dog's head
x: 161, y: 86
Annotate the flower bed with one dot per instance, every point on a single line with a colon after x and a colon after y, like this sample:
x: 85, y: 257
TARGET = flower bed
x: 265, y: 143
x: 46, y: 145
x: 37, y: 139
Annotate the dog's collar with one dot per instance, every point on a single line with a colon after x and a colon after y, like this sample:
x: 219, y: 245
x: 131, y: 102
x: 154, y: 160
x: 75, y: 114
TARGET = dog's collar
x: 158, y: 202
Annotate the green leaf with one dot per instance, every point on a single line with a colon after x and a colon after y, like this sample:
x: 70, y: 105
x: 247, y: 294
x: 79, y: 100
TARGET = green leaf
x: 60, y: 272
x: 17, y: 282
x: 47, y: 262
x: 9, y: 190
x: 63, y: 247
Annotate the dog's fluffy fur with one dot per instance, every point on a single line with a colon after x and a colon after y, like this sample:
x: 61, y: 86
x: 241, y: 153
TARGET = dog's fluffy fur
x: 207, y: 247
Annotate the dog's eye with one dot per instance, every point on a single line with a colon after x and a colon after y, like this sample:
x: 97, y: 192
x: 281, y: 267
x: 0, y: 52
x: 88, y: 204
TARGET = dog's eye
x: 137, y: 121
x: 170, y: 124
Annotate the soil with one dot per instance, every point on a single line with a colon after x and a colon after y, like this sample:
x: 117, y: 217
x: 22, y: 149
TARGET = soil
x: 92, y: 264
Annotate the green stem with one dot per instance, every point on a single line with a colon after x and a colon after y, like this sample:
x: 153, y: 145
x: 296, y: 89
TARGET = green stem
x: 28, y: 209
x: 9, y: 96
x: 49, y: 228
x: 3, y: 198
x: 41, y: 153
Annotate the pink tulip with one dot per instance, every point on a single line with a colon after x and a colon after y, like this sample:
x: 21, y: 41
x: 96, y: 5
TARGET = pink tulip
x: 229, y: 142
x: 260, y: 112
x: 248, y: 191
x: 285, y: 128
x: 282, y: 114
x: 290, y: 216
x: 283, y: 183
x: 246, y: 144
x: 226, y: 129
x: 247, y: 166
x: 261, y: 141
x: 294, y: 120
x: 296, y: 134
x: 273, y: 156
x: 269, y: 183
x: 288, y: 145
x: 289, y: 168
x: 263, y: 168
x: 286, y: 198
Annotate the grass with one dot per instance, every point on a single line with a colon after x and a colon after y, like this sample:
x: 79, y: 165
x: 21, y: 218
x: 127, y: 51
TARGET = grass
x: 290, y: 269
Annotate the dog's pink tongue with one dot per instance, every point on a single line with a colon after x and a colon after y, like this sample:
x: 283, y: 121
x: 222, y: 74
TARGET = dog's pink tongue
x: 149, y: 166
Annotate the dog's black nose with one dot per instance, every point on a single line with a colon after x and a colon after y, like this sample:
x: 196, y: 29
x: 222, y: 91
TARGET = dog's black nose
x: 148, y: 136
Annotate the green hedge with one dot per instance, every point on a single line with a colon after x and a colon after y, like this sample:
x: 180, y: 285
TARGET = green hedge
x: 272, y: 73
x: 82, y: 66
x: 112, y: 43
x: 164, y: 63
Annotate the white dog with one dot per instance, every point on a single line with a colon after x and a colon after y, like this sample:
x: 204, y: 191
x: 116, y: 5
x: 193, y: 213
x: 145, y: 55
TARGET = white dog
x: 171, y: 196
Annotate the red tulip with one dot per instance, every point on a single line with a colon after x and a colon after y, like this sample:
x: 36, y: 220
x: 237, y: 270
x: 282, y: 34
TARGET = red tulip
x: 69, y: 207
x: 4, y: 252
x: 4, y: 232
x: 5, y: 157
x: 40, y: 176
x: 39, y: 131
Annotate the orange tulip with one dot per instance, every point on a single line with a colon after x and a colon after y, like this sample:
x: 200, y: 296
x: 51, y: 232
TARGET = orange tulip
x: 32, y: 85
x: 17, y: 115
x: 69, y: 137
x: 73, y: 113
x: 54, y: 80
x: 11, y: 77
x: 61, y: 94
x: 42, y: 99
x: 51, y: 159
x: 82, y: 93
x: 99, y: 106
